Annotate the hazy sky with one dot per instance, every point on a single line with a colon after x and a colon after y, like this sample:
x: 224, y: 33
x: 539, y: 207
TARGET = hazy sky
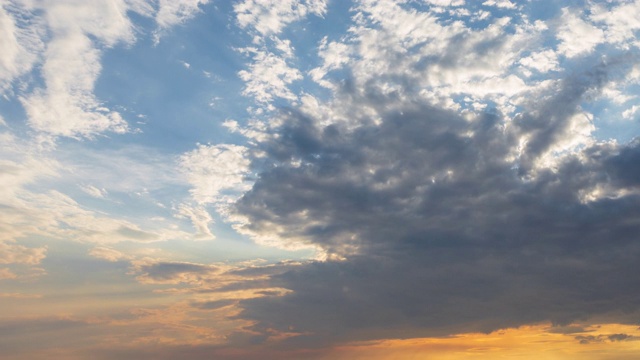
x: 326, y: 179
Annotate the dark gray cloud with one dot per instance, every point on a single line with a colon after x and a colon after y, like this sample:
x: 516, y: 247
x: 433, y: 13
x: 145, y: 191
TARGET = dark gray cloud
x: 440, y: 228
x: 171, y: 271
x: 588, y: 339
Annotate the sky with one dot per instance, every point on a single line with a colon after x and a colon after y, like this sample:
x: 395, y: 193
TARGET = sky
x: 319, y: 179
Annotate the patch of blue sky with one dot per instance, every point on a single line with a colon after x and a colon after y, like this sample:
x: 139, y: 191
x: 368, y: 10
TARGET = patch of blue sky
x: 14, y: 115
x: 180, y: 91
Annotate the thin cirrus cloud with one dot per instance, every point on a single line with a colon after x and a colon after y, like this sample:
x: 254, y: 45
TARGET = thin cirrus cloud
x: 403, y: 177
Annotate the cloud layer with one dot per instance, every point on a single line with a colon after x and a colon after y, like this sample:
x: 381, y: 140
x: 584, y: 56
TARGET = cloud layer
x: 450, y: 188
x: 440, y: 167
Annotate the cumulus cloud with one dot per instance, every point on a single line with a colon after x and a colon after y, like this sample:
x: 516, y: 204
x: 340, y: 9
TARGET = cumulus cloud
x: 269, y: 77
x: 212, y: 169
x: 438, y: 233
x: 173, y: 12
x: 444, y: 216
x: 577, y: 36
x: 65, y: 105
x: 67, y: 39
x: 271, y: 16
x: 620, y: 22
x: 506, y: 4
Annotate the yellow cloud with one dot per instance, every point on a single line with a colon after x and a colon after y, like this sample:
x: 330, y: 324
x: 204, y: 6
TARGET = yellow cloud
x: 595, y: 342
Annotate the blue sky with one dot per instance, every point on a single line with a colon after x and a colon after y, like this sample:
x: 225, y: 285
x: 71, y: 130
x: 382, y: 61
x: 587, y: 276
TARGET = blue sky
x: 288, y: 177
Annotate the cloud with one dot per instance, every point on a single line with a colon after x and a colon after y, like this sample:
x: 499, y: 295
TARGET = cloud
x: 213, y: 169
x: 448, y: 175
x: 437, y: 214
x: 172, y: 12
x: 217, y: 174
x: 506, y: 4
x: 31, y: 206
x: 542, y: 61
x: 65, y: 105
x: 445, y: 2
x: 108, y: 254
x: 620, y: 22
x: 577, y: 37
x: 271, y: 16
x: 168, y: 272
x: 270, y: 72
x: 10, y: 253
x: 20, y: 296
x: 200, y: 218
x: 20, y: 44
x: 62, y: 42
x: 216, y: 304
x: 268, y: 77
x: 94, y: 191
x: 6, y: 274
x: 589, y: 339
x: 334, y: 55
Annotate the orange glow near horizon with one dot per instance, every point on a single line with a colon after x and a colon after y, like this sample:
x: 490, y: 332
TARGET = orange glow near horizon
x: 595, y: 342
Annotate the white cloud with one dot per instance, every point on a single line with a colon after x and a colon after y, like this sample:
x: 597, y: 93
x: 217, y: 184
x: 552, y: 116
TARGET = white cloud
x: 66, y: 106
x: 577, y: 133
x: 445, y: 2
x: 443, y: 60
x: 200, y: 218
x: 284, y: 46
x: 94, y: 191
x: 68, y: 38
x: 334, y: 55
x: 505, y: 4
x: 577, y: 37
x: 19, y: 45
x: 217, y: 174
x: 173, y: 12
x: 271, y: 16
x: 630, y: 112
x: 621, y: 22
x: 542, y: 61
x: 268, y: 77
x: 214, y: 169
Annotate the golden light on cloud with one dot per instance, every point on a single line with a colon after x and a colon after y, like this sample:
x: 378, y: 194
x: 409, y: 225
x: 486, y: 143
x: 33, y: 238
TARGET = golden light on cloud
x: 595, y: 342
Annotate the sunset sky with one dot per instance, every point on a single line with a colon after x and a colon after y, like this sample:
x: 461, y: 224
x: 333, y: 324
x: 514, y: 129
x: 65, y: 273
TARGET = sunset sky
x: 319, y: 179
